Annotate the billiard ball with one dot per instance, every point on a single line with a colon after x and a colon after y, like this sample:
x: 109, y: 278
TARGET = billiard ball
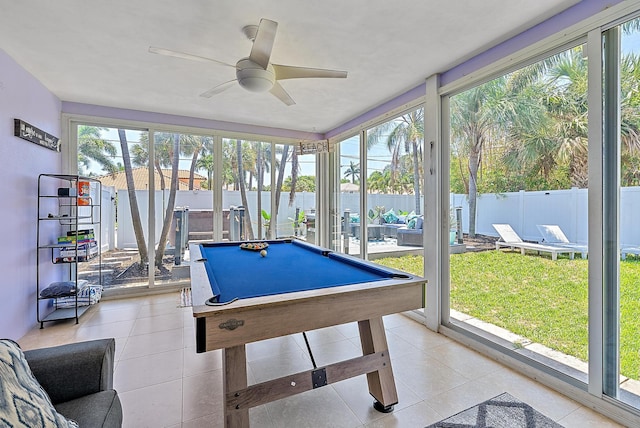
x: 263, y: 253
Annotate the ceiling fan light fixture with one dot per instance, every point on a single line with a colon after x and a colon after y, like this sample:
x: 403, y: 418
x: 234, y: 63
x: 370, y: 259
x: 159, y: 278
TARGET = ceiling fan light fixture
x: 255, y: 73
x: 254, y: 78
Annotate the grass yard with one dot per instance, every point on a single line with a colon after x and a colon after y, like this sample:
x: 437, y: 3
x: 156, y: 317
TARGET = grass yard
x: 540, y: 299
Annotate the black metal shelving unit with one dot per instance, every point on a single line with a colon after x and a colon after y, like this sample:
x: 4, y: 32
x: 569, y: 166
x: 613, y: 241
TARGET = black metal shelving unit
x: 66, y: 203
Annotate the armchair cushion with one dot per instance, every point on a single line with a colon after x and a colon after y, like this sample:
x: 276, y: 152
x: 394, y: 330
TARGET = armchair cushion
x: 23, y: 401
x: 79, y: 380
x: 74, y: 370
x: 102, y: 409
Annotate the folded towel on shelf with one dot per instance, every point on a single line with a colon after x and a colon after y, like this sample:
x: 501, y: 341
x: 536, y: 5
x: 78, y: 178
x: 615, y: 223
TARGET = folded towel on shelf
x: 87, y: 295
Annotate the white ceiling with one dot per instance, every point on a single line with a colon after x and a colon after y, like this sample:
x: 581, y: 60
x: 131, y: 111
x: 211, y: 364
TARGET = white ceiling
x: 96, y: 52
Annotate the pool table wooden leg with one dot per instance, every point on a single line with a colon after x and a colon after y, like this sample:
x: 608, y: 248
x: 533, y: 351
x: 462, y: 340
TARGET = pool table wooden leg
x: 381, y: 383
x: 234, y: 370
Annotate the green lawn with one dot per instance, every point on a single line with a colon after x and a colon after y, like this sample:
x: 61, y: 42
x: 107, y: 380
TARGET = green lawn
x: 540, y: 299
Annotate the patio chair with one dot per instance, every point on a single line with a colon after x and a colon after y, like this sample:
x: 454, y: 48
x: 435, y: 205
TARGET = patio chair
x: 552, y: 234
x: 629, y: 250
x: 510, y: 239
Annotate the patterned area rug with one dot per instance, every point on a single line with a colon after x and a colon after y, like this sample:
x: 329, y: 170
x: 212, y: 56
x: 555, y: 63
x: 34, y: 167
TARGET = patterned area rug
x: 185, y: 298
x: 503, y: 411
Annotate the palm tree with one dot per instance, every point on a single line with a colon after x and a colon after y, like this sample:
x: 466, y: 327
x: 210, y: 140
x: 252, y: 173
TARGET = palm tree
x: 295, y: 171
x: 163, y: 154
x: 133, y: 202
x: 171, y: 202
x: 243, y: 191
x: 353, y: 171
x: 403, y: 135
x: 279, y: 180
x: 476, y: 115
x: 205, y: 161
x: 556, y: 134
x: 167, y: 154
x: 193, y: 146
x: 92, y: 147
x: 260, y: 167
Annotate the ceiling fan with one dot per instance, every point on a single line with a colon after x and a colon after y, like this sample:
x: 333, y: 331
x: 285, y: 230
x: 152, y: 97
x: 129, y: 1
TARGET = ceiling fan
x: 256, y: 73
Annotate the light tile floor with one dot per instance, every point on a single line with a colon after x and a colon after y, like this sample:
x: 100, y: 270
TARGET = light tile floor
x: 162, y: 382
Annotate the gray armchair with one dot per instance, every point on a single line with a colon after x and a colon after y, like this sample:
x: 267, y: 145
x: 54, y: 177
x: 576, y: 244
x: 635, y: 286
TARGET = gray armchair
x: 411, y: 237
x: 79, y: 380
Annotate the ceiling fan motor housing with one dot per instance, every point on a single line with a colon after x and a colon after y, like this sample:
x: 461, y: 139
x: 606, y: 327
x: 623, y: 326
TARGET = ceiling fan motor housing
x: 253, y: 77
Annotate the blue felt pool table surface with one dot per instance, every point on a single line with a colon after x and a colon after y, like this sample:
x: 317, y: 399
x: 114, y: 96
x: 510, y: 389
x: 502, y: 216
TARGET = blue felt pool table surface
x: 289, y: 266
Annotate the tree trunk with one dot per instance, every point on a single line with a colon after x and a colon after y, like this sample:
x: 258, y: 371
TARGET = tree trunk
x: 416, y: 176
x: 259, y: 187
x: 133, y: 202
x: 243, y: 193
x: 168, y: 215
x: 192, y: 169
x: 274, y: 215
x: 474, y: 164
x: 294, y: 178
x: 158, y: 167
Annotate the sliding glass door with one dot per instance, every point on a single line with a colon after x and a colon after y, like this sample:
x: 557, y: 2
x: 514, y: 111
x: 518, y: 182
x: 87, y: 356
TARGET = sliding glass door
x: 347, y: 216
x: 621, y: 306
x: 519, y: 182
x: 112, y: 155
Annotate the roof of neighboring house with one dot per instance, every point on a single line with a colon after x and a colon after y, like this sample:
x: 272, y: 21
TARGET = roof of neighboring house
x: 141, y: 179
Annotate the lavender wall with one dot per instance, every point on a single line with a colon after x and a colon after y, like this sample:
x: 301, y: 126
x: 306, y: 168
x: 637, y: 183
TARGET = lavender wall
x: 22, y: 97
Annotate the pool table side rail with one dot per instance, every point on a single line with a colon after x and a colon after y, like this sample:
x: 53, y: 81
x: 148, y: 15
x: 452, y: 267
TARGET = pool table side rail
x: 227, y: 328
x: 260, y: 318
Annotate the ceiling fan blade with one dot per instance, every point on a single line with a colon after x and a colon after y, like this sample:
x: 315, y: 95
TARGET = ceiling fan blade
x: 263, y: 43
x: 217, y: 89
x: 293, y: 72
x: 184, y: 55
x: 281, y: 94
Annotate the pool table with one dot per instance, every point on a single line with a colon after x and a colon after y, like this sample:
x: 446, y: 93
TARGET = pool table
x: 240, y: 296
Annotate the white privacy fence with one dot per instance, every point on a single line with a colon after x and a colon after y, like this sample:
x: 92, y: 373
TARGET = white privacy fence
x: 522, y: 210
x: 108, y: 220
x: 203, y: 200
x: 565, y: 208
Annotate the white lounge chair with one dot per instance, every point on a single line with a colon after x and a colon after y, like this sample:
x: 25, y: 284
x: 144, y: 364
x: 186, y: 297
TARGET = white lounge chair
x: 629, y: 250
x: 510, y: 239
x: 552, y: 234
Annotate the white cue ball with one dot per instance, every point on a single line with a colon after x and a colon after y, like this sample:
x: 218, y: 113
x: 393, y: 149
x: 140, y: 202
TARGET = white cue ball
x: 263, y: 253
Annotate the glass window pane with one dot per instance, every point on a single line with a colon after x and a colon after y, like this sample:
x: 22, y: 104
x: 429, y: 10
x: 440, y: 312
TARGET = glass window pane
x: 348, y: 203
x: 518, y: 170
x: 295, y: 193
x: 628, y: 109
x: 247, y: 189
x: 394, y: 184
x: 116, y: 157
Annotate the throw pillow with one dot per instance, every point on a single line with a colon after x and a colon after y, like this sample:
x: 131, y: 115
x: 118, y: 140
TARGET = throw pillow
x: 62, y: 289
x: 411, y: 220
x: 23, y: 402
x: 390, y: 217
